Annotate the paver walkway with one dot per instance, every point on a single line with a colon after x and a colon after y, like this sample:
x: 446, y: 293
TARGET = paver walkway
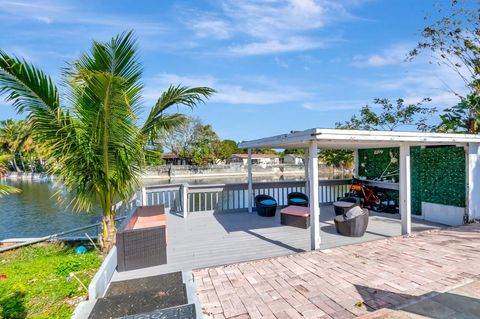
x: 342, y: 282
x: 458, y: 303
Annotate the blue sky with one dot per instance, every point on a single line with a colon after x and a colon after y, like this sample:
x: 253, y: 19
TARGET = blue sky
x: 277, y: 65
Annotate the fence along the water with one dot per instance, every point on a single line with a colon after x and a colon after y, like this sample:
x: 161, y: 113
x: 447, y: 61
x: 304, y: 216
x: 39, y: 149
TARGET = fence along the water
x: 232, y: 197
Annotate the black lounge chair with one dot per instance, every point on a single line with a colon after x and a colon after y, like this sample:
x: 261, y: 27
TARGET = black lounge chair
x: 266, y: 205
x: 297, y: 199
x: 353, y: 227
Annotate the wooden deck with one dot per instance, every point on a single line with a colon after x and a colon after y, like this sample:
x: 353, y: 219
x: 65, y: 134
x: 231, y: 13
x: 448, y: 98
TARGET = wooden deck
x: 210, y: 239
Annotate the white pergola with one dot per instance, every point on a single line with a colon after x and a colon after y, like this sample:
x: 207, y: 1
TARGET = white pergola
x: 313, y: 139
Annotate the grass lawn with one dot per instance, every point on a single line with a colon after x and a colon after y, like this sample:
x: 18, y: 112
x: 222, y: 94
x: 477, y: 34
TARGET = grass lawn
x: 36, y: 284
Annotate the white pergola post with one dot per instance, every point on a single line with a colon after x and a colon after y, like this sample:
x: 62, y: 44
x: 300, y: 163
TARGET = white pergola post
x: 144, y: 196
x: 355, y: 163
x: 305, y: 165
x: 314, y: 197
x: 473, y: 181
x: 250, y: 186
x: 405, y: 195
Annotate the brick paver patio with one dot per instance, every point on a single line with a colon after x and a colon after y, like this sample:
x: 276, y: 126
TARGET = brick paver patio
x: 343, y: 282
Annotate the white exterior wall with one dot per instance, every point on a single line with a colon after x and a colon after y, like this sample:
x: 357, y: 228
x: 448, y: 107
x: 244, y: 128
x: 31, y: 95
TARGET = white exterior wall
x: 473, y: 181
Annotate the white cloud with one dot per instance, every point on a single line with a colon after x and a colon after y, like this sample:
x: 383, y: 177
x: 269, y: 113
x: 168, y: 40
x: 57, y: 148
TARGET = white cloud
x: 335, y: 105
x: 44, y: 19
x: 265, y: 92
x: 275, y: 46
x: 54, y: 11
x: 206, y: 28
x: 394, y: 55
x: 273, y: 26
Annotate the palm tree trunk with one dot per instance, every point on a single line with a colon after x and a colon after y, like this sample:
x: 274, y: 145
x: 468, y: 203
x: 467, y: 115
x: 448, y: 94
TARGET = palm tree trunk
x: 22, y: 161
x: 15, y: 163
x: 108, y: 238
x: 32, y: 164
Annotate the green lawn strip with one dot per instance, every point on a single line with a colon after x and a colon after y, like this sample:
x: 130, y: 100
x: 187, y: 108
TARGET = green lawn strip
x: 36, y: 284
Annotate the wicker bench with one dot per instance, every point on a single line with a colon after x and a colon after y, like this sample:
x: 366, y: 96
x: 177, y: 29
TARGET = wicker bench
x: 142, y: 239
x: 296, y: 216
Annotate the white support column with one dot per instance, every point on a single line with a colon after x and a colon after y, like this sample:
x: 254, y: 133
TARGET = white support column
x: 250, y: 186
x: 355, y: 163
x: 405, y: 195
x: 144, y: 196
x: 314, y: 197
x: 473, y: 181
x: 305, y: 164
x: 184, y: 199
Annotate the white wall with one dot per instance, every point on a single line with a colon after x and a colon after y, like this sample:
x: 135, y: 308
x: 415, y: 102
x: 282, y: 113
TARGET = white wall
x: 473, y: 181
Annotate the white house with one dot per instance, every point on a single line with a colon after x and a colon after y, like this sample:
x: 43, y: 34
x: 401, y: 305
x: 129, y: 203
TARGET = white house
x: 293, y: 159
x: 265, y: 159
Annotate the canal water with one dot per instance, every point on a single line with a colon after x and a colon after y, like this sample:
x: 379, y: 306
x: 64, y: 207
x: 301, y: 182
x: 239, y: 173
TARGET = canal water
x: 37, y: 211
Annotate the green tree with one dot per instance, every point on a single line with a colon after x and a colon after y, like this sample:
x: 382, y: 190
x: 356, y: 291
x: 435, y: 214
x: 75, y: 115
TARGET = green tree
x: 224, y: 149
x: 181, y: 139
x: 391, y: 116
x: 452, y: 40
x: 204, y: 146
x: 337, y: 158
x: 5, y: 189
x: 463, y: 117
x: 96, y: 142
x: 8, y: 140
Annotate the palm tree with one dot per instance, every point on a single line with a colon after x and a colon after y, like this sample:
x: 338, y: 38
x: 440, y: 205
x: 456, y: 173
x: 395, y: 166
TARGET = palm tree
x: 9, y: 139
x: 5, y: 189
x: 96, y: 143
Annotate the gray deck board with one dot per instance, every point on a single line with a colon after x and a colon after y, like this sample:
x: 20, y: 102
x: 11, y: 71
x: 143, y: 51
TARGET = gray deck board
x: 210, y: 239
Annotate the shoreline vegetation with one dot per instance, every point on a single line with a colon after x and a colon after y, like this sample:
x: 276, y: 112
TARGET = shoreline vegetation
x: 35, y: 284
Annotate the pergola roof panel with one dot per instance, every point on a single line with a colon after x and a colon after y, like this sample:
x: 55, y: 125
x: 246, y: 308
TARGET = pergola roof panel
x: 354, y: 139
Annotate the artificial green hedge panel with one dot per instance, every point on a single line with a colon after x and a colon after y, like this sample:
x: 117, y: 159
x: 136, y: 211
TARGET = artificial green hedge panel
x: 437, y: 173
x: 416, y: 180
x: 375, y: 162
x: 443, y: 176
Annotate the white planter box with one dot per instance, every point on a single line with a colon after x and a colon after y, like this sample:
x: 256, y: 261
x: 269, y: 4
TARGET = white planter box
x: 443, y: 214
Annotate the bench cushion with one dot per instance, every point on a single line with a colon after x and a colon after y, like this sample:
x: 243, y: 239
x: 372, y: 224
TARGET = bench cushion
x: 296, y: 211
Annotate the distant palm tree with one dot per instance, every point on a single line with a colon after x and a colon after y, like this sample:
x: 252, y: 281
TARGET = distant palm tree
x: 95, y: 144
x: 5, y: 189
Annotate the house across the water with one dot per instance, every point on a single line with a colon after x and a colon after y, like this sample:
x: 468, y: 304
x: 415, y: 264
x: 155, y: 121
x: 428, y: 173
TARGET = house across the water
x: 266, y: 159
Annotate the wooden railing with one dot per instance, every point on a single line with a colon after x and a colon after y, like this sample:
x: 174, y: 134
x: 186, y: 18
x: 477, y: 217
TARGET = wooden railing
x: 233, y: 197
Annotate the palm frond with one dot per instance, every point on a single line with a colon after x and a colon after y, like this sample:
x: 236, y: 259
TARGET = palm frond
x: 105, y: 95
x: 174, y: 95
x: 25, y: 86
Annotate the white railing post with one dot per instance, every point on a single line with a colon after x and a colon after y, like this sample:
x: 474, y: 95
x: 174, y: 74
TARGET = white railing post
x: 250, y: 186
x: 144, y: 196
x: 184, y: 199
